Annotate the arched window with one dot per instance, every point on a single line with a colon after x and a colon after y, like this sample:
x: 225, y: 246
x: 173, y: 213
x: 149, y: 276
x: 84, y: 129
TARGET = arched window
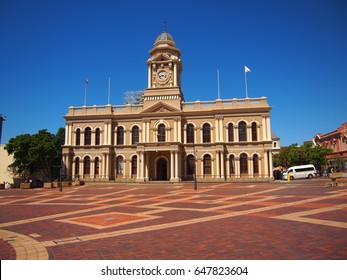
x: 96, y: 166
x: 134, y: 165
x: 254, y: 132
x: 119, y: 165
x: 86, y: 166
x: 232, y: 164
x: 190, y: 165
x: 120, y: 135
x: 161, y: 133
x: 78, y: 137
x: 255, y: 164
x: 97, y: 136
x: 242, y: 131
x: 207, y: 165
x: 206, y: 133
x: 230, y: 132
x: 244, y: 163
x: 77, y: 167
x: 88, y: 136
x: 190, y: 133
x: 135, y: 134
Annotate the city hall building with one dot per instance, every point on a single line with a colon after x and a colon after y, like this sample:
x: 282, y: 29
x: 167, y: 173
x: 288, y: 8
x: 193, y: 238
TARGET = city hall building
x: 165, y: 138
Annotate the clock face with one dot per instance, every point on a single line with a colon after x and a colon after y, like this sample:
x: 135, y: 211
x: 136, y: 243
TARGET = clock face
x: 162, y: 75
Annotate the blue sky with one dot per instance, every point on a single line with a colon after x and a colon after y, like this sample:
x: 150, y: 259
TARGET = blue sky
x: 296, y: 49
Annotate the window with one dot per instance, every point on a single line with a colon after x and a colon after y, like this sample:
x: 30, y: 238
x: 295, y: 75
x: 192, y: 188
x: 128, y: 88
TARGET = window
x: 161, y: 133
x: 78, y: 137
x: 232, y: 164
x: 119, y: 165
x: 120, y: 135
x: 96, y: 166
x: 77, y: 167
x: 230, y: 132
x: 255, y: 164
x: 135, y: 135
x: 207, y: 165
x: 206, y: 133
x: 242, y: 131
x: 97, y: 136
x: 190, y: 133
x: 86, y: 166
x: 88, y: 136
x: 134, y: 165
x: 190, y: 165
x: 243, y: 163
x: 254, y: 132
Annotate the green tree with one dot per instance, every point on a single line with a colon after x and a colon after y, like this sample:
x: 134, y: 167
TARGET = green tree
x: 306, y: 154
x: 40, y: 152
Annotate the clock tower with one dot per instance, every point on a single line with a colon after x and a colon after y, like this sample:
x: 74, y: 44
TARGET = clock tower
x: 164, y: 73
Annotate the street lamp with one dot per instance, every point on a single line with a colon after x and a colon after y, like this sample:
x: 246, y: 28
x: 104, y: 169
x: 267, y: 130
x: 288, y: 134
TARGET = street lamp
x: 61, y: 174
x: 195, y: 182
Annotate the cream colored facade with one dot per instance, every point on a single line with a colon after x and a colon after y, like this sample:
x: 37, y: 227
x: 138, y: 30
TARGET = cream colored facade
x: 5, y: 161
x: 165, y: 138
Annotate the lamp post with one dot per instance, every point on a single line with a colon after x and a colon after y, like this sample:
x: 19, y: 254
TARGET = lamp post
x: 61, y: 174
x: 195, y: 182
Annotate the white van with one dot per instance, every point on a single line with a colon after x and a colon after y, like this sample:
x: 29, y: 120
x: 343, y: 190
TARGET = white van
x: 301, y: 171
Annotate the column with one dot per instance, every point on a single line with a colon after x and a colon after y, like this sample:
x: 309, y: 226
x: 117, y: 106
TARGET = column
x: 217, y: 175
x: 176, y: 165
x: 221, y: 130
x: 175, y: 74
x: 260, y: 166
x: 236, y: 133
x: 70, y: 135
x: 171, y: 165
x: 92, y: 169
x: 179, y: 124
x: 149, y: 76
x: 263, y: 123
x: 266, y: 164
x: 146, y: 166
x: 138, y: 165
x: 268, y: 126
x: 175, y: 130
x: 105, y: 133
x: 73, y: 175
x: 250, y: 167
x: 237, y: 167
x: 107, y: 165
x: 222, y: 167
x: 216, y: 122
x: 249, y: 132
x: 143, y: 132
x: 270, y: 163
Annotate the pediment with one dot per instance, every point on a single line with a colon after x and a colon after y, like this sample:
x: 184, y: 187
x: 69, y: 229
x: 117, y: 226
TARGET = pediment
x: 160, y: 57
x: 160, y: 107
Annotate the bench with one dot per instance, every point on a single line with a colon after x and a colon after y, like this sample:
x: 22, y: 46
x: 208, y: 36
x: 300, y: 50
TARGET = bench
x: 332, y: 182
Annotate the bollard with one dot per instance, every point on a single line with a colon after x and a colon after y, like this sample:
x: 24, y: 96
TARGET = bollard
x: 288, y: 177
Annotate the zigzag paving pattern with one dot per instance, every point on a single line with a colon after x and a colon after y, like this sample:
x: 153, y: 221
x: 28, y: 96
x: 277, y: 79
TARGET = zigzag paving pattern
x: 276, y: 220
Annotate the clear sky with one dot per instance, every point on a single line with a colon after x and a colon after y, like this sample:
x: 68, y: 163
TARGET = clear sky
x: 296, y: 49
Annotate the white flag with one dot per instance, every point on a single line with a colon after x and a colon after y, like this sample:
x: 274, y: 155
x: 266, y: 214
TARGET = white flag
x: 247, y: 69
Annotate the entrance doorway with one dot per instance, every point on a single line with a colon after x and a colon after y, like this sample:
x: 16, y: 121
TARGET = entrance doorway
x: 162, y: 169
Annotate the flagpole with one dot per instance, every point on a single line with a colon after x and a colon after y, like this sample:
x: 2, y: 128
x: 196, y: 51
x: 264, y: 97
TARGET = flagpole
x: 85, y: 91
x: 246, y: 84
x: 109, y: 90
x: 246, y: 70
x: 218, y: 84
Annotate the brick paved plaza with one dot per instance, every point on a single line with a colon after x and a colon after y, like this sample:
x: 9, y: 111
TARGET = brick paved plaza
x: 276, y: 220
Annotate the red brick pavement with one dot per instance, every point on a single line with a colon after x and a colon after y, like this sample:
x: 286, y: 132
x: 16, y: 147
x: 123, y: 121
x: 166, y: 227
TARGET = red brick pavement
x: 276, y: 220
